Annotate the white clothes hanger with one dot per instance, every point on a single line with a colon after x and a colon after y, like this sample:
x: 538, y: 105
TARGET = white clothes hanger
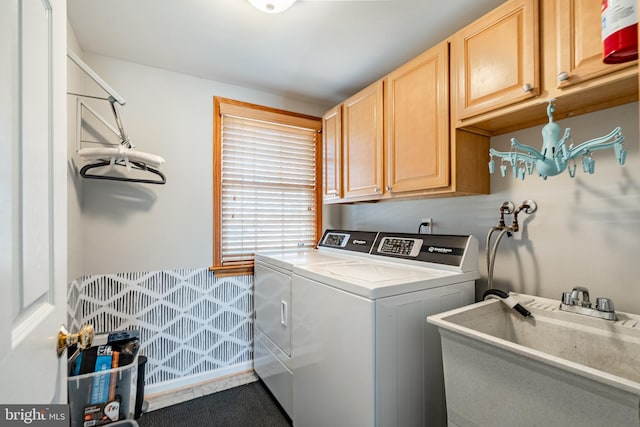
x: 123, y: 154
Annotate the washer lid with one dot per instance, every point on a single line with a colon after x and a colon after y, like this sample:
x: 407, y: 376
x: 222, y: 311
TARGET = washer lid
x: 381, y: 273
x: 376, y: 279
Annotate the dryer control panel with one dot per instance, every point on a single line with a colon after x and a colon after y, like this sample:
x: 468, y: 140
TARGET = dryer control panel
x: 354, y: 241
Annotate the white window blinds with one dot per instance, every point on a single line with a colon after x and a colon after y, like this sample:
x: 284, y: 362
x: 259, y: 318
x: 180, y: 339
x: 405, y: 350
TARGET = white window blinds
x: 268, y: 186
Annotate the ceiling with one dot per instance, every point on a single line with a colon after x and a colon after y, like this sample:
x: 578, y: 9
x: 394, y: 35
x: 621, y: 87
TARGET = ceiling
x: 320, y: 51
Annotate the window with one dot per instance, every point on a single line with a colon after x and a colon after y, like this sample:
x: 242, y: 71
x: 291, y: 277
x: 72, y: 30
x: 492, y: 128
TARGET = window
x: 266, y: 194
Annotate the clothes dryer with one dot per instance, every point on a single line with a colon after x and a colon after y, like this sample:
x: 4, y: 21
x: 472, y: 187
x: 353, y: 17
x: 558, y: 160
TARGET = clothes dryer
x: 273, y: 305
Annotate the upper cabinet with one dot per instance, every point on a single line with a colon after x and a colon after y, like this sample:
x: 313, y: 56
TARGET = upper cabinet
x: 417, y: 123
x: 332, y: 154
x: 418, y: 155
x: 407, y: 136
x: 362, y: 144
x: 579, y: 42
x: 496, y: 59
x: 501, y: 84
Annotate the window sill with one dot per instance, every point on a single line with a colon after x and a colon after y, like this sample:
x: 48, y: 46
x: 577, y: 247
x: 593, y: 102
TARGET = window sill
x: 232, y: 270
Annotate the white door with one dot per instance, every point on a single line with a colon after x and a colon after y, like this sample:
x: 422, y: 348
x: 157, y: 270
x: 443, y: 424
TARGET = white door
x: 33, y: 224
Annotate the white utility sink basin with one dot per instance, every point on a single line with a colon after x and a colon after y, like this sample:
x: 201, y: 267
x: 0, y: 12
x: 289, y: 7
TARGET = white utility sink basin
x: 551, y: 369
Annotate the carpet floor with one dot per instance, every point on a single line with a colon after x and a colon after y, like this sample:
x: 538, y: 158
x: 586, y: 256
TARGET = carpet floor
x: 249, y: 405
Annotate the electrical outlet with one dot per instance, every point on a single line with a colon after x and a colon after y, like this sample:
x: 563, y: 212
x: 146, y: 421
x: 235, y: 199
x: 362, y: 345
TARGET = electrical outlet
x: 428, y: 223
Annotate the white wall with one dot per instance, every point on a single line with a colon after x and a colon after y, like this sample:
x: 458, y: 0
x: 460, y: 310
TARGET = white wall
x: 585, y: 231
x: 142, y: 227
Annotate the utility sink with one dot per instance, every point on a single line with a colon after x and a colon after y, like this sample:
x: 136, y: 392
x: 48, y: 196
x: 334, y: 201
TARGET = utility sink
x: 554, y: 368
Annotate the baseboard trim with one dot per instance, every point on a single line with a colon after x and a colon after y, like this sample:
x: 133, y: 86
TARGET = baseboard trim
x: 174, y: 396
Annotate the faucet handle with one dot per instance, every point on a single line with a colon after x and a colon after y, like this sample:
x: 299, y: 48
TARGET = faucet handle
x: 604, y: 305
x: 566, y: 298
x: 575, y: 296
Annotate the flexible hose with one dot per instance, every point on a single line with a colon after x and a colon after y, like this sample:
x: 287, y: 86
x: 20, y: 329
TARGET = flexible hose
x: 506, y: 299
x: 491, y: 255
x: 488, y: 254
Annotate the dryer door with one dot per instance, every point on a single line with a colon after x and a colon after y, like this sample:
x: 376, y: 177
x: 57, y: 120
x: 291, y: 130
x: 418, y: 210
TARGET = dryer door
x: 273, y: 305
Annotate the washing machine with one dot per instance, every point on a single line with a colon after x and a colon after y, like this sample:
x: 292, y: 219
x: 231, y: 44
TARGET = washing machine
x: 273, y: 304
x: 362, y: 353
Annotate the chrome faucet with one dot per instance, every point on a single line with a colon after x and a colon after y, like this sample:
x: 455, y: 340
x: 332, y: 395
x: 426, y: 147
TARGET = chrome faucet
x: 571, y: 302
x: 573, y: 297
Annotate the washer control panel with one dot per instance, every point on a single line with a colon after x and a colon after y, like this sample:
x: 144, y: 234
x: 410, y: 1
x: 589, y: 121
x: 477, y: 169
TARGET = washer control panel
x: 400, y: 246
x: 433, y: 248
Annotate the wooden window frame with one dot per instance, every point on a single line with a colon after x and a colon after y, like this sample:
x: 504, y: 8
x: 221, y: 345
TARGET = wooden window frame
x: 258, y: 112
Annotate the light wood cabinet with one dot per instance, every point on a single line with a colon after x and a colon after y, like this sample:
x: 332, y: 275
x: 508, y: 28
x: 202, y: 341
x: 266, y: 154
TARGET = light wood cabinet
x: 579, y: 42
x: 362, y: 144
x: 332, y: 154
x: 417, y: 123
x: 419, y: 155
x: 570, y: 45
x: 502, y: 68
x: 496, y: 59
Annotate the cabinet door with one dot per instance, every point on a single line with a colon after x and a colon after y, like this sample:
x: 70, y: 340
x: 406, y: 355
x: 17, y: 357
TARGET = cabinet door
x: 578, y: 26
x: 417, y: 123
x: 362, y: 143
x: 332, y: 154
x: 497, y: 59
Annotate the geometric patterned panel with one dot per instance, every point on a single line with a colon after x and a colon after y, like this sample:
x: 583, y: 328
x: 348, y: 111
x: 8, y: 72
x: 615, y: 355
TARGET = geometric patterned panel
x: 190, y: 322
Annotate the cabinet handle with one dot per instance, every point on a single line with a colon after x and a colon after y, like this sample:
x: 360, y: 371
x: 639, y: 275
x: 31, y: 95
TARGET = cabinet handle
x: 376, y: 190
x: 527, y: 87
x: 389, y: 188
x: 563, y: 76
x: 283, y: 313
